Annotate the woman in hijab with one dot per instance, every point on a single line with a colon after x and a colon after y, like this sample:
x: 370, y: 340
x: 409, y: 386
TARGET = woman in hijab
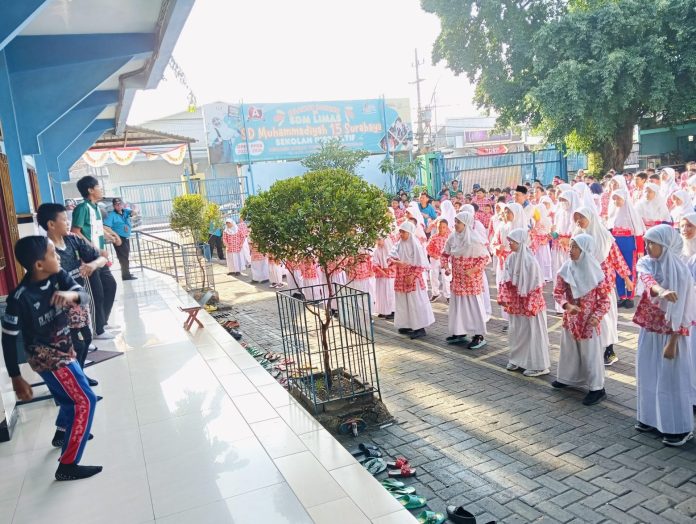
x: 582, y: 291
x: 539, y: 239
x: 668, y: 184
x: 652, y: 207
x: 583, y: 191
x: 480, y: 229
x: 413, y: 312
x: 627, y: 228
x: 683, y: 205
x: 612, y: 262
x: 233, y: 237
x: 514, y: 218
x: 259, y: 264
x: 665, y: 314
x: 384, y: 279
x: 448, y: 213
x: 687, y: 228
x: 521, y: 295
x: 465, y: 257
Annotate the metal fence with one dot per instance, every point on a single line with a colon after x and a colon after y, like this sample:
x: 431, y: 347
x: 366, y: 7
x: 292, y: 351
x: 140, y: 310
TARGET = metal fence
x: 349, y: 354
x: 155, y: 200
x: 188, y: 264
x: 504, y: 170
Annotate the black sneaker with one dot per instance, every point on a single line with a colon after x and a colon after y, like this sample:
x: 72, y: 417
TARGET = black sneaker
x: 558, y: 385
x: 609, y: 356
x: 643, y: 428
x: 390, y: 316
x: 628, y: 304
x: 456, y: 339
x: 477, y: 342
x: 405, y: 331
x: 594, y: 397
x: 92, y: 382
x: 676, y: 441
x: 418, y: 333
x: 621, y: 303
x: 75, y: 472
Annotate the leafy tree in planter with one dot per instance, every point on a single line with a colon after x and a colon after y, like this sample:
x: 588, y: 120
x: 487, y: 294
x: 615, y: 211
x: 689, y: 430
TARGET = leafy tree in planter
x: 328, y: 216
x: 583, y: 72
x: 191, y: 217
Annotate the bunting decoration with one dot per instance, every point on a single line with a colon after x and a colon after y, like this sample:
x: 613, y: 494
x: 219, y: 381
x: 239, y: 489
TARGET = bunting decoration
x: 126, y: 156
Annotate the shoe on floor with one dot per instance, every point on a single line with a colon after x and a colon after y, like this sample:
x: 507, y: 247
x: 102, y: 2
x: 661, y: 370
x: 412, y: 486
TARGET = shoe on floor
x: 621, y: 303
x: 512, y: 367
x: 477, y: 342
x: 111, y: 326
x: 558, y: 385
x: 535, y: 372
x: 643, y: 428
x: 106, y: 335
x: 452, y: 338
x: 676, y: 441
x: 434, y: 298
x: 92, y: 382
x: 129, y: 277
x: 390, y: 316
x: 609, y: 356
x: 418, y: 333
x: 594, y: 397
x: 92, y: 347
x: 75, y: 472
x: 628, y: 304
x: 404, y: 331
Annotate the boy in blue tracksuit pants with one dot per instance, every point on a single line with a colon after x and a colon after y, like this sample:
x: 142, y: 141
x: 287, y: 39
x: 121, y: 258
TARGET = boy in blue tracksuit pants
x: 38, y: 310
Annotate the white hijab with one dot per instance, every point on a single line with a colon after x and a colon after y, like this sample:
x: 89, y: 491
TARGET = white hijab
x: 410, y: 251
x: 414, y: 211
x: 231, y: 229
x: 668, y: 185
x: 469, y: 243
x: 689, y: 249
x: 381, y: 254
x: 521, y: 267
x: 691, y: 185
x: 672, y: 274
x: 654, y: 210
x: 585, y: 273
x: 586, y: 198
x: 520, y: 219
x: 625, y: 216
x: 564, y: 214
x: 620, y: 181
x: 448, y: 213
x: 686, y: 207
x: 600, y: 234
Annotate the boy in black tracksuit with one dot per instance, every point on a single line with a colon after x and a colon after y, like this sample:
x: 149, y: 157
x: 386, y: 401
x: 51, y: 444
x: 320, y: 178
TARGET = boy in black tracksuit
x: 38, y: 310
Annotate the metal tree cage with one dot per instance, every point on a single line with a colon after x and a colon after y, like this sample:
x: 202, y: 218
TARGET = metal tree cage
x: 350, y: 340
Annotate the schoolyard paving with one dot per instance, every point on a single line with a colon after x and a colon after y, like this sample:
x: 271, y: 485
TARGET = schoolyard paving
x: 507, y: 447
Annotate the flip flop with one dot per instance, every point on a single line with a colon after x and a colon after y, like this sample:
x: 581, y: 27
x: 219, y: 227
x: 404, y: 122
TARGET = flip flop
x: 375, y: 466
x: 390, y: 484
x: 366, y: 449
x: 430, y: 517
x: 408, y: 490
x: 398, y: 463
x: 405, y: 472
x: 411, y: 501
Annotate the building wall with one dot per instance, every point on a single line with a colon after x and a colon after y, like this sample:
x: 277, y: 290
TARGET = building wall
x: 655, y: 142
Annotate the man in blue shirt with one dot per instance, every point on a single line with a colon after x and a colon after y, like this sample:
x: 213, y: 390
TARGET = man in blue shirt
x: 119, y: 221
x: 426, y: 208
x: 215, y: 241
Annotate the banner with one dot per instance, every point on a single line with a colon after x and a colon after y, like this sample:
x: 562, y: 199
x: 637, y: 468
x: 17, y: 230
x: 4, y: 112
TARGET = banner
x: 246, y: 133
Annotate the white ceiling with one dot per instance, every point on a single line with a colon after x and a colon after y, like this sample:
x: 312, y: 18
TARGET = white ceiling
x: 95, y: 16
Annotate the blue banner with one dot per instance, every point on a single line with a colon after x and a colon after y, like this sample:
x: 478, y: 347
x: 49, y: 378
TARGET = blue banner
x: 288, y: 131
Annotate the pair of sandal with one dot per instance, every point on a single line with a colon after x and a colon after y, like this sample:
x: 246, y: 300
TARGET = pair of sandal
x: 400, y: 468
x: 458, y: 515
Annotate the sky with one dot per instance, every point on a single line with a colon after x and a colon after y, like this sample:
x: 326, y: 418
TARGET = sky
x: 306, y: 50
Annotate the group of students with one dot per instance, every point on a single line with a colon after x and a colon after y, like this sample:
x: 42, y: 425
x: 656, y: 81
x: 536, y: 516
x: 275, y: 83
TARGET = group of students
x: 62, y: 303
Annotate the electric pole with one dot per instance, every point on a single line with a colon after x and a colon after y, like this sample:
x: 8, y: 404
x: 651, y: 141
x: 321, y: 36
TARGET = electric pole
x: 419, y: 131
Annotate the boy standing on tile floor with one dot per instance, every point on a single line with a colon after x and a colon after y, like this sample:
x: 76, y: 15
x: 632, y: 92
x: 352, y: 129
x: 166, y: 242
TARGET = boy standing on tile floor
x: 38, y: 310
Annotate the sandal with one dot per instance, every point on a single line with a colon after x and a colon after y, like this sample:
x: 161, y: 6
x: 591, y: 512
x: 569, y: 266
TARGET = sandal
x: 430, y: 517
x: 399, y: 463
x: 405, y: 472
x: 234, y: 324
x: 375, y: 466
x: 390, y: 484
x: 411, y: 501
x: 408, y: 490
x: 366, y: 449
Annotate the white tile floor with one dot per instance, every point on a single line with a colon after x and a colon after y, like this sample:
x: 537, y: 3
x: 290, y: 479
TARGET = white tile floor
x: 191, y: 429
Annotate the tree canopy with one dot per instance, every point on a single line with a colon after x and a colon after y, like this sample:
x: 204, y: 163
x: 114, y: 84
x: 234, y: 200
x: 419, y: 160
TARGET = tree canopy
x: 583, y: 72
x: 192, y: 215
x: 327, y: 215
x: 334, y: 155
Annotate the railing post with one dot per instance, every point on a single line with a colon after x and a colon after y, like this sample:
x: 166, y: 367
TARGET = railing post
x: 140, y: 251
x: 176, y: 271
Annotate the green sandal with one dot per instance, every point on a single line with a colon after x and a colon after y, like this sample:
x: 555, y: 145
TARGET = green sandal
x: 411, y: 501
x: 408, y: 490
x: 430, y: 517
x: 375, y: 466
x: 390, y: 484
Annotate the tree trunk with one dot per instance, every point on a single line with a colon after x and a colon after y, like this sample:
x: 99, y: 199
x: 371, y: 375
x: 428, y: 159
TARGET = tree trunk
x: 615, y: 152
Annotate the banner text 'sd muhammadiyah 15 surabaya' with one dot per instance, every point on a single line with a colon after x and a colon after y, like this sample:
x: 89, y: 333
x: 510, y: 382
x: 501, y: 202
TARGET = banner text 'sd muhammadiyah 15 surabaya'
x: 290, y: 131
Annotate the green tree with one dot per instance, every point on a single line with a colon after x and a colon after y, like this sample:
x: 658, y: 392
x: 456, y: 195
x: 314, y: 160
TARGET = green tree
x: 191, y: 217
x: 327, y: 215
x: 334, y: 155
x: 583, y: 72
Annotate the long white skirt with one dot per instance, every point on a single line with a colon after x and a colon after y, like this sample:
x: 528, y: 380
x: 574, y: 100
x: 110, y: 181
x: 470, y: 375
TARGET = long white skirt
x: 384, y: 296
x: 487, y: 297
x: 413, y: 310
x: 366, y: 285
x: 498, y: 279
x: 311, y: 290
x: 259, y: 270
x: 246, y: 252
x: 529, y: 342
x: 275, y: 273
x: 664, y: 386
x: 543, y: 256
x: 610, y: 322
x: 467, y: 315
x: 295, y: 279
x: 235, y: 262
x: 581, y: 362
x: 439, y: 282
x: 558, y: 258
